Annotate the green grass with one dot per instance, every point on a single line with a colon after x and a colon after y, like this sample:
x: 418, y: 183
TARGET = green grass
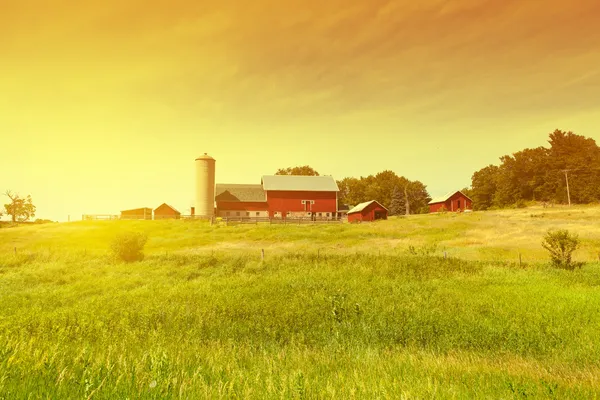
x: 339, y: 311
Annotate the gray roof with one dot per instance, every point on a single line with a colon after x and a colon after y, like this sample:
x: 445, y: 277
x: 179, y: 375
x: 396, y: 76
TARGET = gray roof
x: 444, y: 198
x: 237, y: 192
x: 300, y: 183
x: 362, y: 206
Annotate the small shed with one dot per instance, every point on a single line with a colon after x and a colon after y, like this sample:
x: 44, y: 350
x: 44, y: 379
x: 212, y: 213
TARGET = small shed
x: 368, y: 211
x: 452, y: 201
x: 165, y: 211
x: 137, y: 213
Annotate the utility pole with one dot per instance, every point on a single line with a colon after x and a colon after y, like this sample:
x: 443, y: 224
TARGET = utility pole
x: 567, y: 179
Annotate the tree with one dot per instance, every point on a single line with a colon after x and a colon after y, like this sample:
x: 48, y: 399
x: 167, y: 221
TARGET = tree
x: 484, y: 187
x: 397, y: 200
x: 387, y: 188
x: 20, y: 209
x: 304, y: 170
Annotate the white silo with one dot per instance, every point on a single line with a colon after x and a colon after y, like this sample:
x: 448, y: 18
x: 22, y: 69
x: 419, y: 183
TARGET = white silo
x: 205, y: 186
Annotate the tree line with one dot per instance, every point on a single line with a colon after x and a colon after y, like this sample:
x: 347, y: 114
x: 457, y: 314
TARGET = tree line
x: 396, y: 193
x: 541, y: 174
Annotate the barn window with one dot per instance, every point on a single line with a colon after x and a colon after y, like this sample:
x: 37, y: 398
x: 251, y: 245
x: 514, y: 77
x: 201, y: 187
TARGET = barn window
x: 320, y: 214
x: 288, y: 213
x: 227, y: 213
x: 258, y: 213
x: 237, y: 214
x: 247, y: 214
x: 327, y: 214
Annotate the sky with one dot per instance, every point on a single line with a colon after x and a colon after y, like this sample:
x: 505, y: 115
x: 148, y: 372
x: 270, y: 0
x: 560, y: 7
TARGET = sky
x: 104, y: 106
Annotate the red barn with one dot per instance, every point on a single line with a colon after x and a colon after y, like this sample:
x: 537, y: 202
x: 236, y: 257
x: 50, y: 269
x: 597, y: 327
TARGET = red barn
x: 165, y: 211
x: 280, y: 196
x: 453, y: 201
x: 301, y: 196
x: 368, y: 211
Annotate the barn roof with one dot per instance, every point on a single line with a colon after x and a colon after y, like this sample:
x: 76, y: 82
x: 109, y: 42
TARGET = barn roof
x: 137, y: 209
x: 299, y: 183
x: 362, y: 206
x: 165, y: 204
x: 239, y: 192
x: 444, y: 198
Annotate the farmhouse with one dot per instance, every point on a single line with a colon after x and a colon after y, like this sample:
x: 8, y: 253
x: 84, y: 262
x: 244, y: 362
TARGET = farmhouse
x: 279, y: 196
x: 452, y: 201
x: 165, y: 211
x: 368, y: 211
x: 137, y: 213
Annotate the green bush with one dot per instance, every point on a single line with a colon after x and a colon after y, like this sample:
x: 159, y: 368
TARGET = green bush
x: 561, y: 244
x: 129, y: 246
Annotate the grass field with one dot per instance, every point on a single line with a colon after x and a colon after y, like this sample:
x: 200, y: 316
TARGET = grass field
x: 431, y: 306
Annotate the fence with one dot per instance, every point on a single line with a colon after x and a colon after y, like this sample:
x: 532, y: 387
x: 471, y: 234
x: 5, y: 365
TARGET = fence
x: 281, y: 221
x: 222, y: 220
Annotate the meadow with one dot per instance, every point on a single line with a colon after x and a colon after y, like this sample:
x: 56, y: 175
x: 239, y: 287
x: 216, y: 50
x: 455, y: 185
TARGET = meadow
x: 427, y: 306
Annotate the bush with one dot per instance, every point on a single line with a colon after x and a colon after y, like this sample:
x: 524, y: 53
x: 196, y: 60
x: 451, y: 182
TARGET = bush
x: 129, y: 246
x: 561, y: 244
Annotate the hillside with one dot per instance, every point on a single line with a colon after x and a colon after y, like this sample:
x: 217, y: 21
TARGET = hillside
x: 344, y: 311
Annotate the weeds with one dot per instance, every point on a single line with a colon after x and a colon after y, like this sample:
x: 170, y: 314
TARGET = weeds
x: 561, y: 244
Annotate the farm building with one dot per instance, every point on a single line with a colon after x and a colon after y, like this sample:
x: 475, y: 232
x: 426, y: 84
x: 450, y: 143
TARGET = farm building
x: 452, y: 201
x: 280, y: 196
x: 235, y: 200
x: 368, y: 211
x: 165, y: 211
x: 137, y: 213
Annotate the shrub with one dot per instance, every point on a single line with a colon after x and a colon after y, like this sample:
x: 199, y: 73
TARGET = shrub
x: 129, y: 246
x: 561, y: 244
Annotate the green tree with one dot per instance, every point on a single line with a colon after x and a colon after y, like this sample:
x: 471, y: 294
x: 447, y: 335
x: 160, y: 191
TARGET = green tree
x: 20, y: 209
x: 396, y: 206
x: 301, y: 170
x: 484, y: 187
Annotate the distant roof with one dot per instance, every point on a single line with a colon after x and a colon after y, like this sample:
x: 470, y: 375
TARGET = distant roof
x: 138, y: 209
x: 442, y: 199
x: 362, y: 206
x: 300, y: 183
x: 171, y: 207
x: 237, y: 192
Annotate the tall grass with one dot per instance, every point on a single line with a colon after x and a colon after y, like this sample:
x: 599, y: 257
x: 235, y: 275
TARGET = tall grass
x: 205, y: 317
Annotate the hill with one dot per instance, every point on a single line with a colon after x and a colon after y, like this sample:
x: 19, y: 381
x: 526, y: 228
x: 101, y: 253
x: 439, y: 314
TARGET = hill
x: 419, y: 306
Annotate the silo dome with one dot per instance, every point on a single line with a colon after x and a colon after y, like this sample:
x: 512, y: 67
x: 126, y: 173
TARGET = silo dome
x: 205, y: 186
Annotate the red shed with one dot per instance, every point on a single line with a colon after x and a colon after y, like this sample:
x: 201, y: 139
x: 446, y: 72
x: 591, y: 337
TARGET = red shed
x: 165, y: 211
x: 368, y: 211
x: 453, y: 201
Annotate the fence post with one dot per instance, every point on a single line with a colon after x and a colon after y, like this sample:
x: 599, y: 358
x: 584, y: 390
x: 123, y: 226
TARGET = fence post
x: 262, y: 254
x: 15, y: 251
x: 445, y: 255
x: 520, y: 263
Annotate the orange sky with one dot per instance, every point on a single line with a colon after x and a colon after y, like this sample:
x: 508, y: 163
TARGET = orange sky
x: 105, y: 105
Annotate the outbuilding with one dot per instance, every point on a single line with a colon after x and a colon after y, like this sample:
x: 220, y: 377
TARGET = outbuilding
x: 452, y: 201
x: 368, y: 211
x: 137, y: 213
x: 165, y: 211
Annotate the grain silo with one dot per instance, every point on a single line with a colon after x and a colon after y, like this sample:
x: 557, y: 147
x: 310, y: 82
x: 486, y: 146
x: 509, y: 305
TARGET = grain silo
x: 205, y: 186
